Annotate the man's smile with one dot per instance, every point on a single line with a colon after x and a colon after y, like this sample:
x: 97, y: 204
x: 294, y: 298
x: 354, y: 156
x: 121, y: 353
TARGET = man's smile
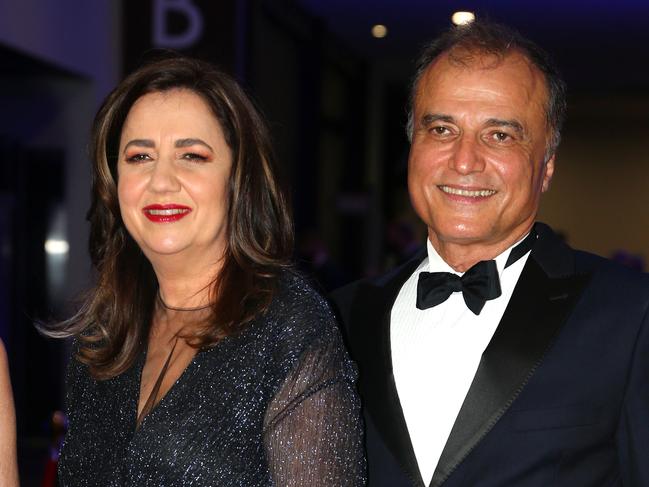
x: 471, y: 193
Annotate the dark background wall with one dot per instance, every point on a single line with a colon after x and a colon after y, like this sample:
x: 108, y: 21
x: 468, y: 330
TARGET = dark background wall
x: 335, y: 100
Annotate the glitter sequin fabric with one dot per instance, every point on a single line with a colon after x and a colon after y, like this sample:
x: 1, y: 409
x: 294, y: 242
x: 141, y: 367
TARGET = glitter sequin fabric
x: 273, y: 406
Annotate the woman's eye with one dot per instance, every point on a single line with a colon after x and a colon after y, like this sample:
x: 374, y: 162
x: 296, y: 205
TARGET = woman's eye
x: 138, y: 158
x: 192, y: 156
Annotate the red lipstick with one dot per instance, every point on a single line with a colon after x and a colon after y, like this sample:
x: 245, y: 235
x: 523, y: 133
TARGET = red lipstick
x: 166, y: 213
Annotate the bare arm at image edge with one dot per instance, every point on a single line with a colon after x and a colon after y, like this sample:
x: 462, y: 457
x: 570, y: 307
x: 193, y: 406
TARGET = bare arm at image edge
x: 8, y: 460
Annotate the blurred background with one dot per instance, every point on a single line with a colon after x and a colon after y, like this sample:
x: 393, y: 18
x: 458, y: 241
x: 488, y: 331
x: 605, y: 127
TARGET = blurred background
x: 331, y: 76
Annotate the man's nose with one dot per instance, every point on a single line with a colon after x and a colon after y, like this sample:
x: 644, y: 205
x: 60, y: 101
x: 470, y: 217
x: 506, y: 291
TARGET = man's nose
x: 164, y: 177
x: 466, y: 157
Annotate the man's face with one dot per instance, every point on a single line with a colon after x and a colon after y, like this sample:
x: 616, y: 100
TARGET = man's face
x: 477, y: 165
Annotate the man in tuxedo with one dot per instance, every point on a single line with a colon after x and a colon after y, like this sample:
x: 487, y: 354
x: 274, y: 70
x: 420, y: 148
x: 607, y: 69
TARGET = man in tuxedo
x: 499, y: 356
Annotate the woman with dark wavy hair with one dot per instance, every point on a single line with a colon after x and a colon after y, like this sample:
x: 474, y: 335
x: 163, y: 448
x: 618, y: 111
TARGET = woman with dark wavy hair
x: 200, y: 357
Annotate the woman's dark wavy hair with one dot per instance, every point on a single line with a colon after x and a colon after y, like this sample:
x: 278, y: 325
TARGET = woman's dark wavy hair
x: 113, y: 323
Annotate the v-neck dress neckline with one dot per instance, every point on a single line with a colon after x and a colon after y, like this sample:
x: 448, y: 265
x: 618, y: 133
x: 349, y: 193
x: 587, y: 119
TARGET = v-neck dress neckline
x: 138, y: 423
x: 151, y: 402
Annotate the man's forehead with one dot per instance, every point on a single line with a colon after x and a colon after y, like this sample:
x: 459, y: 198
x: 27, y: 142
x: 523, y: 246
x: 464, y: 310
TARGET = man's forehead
x: 482, y: 61
x: 513, y: 71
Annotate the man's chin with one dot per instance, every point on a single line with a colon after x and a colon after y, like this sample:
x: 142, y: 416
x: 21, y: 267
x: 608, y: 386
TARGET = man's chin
x: 461, y: 233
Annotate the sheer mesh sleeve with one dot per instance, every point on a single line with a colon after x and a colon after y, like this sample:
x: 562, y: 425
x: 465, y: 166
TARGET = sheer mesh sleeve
x: 312, y: 429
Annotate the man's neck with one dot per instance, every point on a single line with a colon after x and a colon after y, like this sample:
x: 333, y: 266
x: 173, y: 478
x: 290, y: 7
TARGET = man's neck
x: 462, y: 256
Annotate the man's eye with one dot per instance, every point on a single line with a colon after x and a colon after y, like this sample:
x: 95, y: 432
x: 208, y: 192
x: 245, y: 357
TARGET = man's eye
x: 138, y: 158
x: 440, y: 130
x: 501, y: 136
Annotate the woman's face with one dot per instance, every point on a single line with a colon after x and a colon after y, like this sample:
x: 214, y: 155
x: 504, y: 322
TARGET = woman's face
x: 173, y: 171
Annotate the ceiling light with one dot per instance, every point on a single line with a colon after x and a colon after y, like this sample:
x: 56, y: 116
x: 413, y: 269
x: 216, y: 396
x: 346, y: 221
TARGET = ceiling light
x: 462, y: 18
x: 55, y: 246
x: 379, y: 31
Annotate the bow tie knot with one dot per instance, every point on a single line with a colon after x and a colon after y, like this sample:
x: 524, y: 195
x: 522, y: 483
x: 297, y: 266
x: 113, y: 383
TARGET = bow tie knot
x: 478, y: 285
x: 454, y: 283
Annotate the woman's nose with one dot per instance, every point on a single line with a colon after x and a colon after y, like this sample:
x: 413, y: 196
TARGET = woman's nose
x: 163, y: 176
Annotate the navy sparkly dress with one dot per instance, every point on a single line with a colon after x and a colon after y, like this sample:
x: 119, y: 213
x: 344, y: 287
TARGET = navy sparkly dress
x: 274, y: 406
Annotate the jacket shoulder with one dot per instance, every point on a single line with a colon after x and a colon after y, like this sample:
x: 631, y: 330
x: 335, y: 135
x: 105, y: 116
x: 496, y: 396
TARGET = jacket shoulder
x: 612, y: 275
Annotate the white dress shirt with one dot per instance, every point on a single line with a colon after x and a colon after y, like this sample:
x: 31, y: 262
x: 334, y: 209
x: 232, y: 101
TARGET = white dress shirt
x: 436, y: 352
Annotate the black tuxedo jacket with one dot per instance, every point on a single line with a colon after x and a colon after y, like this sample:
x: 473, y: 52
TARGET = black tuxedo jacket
x: 561, y: 394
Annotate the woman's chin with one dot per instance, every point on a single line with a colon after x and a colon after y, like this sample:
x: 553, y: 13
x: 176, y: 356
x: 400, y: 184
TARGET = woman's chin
x: 156, y: 250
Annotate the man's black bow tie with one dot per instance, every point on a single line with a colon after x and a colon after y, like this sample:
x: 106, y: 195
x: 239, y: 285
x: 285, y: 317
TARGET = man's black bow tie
x: 478, y: 285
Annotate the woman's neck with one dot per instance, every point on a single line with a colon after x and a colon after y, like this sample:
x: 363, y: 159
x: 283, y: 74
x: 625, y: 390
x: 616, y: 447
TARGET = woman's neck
x: 182, y: 285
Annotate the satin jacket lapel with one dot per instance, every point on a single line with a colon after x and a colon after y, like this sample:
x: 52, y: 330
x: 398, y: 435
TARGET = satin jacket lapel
x: 543, y: 299
x: 370, y: 343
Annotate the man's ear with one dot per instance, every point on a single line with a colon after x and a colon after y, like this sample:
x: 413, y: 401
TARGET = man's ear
x: 548, y: 171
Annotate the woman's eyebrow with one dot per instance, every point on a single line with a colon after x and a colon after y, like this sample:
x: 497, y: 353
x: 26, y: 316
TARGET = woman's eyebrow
x: 149, y: 144
x: 190, y: 142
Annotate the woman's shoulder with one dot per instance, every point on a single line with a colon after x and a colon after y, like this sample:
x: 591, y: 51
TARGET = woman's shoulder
x: 299, y: 313
x: 296, y: 297
x: 303, y: 334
